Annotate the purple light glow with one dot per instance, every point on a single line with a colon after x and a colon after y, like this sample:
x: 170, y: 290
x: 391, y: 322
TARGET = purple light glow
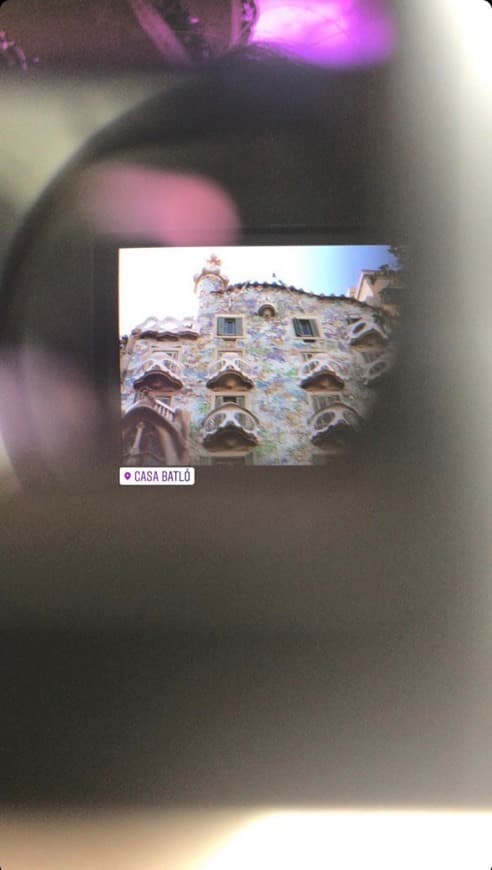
x: 337, y: 33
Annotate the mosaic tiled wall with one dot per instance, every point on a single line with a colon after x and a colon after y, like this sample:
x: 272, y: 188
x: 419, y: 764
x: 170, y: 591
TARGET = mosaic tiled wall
x: 274, y: 355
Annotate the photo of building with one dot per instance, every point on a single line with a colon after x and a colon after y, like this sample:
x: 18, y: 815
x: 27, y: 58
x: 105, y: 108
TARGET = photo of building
x: 263, y: 373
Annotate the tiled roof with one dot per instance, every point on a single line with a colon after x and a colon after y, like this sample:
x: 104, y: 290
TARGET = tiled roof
x: 269, y: 285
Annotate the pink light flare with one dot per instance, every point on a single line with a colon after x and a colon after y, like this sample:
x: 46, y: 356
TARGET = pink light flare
x: 174, y: 208
x: 332, y: 33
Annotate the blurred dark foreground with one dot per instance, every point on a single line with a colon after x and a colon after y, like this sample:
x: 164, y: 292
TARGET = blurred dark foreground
x: 284, y: 638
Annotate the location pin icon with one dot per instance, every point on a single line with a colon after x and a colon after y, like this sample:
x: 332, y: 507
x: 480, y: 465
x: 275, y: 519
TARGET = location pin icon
x: 127, y: 475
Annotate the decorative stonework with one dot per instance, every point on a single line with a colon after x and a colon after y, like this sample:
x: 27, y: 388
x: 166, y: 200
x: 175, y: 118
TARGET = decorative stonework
x: 367, y: 330
x: 334, y: 425
x: 152, y: 432
x: 319, y: 373
x: 167, y: 327
x: 378, y: 369
x: 267, y: 309
x: 278, y: 397
x: 230, y: 372
x: 230, y: 427
x: 161, y: 373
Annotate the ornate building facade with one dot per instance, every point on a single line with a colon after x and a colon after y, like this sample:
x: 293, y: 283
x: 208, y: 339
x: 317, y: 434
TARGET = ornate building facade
x: 265, y: 374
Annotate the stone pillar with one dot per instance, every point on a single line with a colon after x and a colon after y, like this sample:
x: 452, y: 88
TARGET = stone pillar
x: 138, y: 440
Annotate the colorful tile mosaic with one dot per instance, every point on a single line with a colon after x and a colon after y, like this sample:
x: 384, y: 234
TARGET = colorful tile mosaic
x: 275, y: 345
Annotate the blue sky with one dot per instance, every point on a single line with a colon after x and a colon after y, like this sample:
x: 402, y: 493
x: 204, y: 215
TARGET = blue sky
x: 159, y: 281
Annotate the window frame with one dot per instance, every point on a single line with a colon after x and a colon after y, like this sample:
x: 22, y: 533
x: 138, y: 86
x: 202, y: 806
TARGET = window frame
x: 315, y: 335
x: 216, y: 403
x: 238, y: 318
x: 172, y: 352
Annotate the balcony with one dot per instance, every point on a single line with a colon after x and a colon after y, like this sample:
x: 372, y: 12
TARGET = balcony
x: 142, y: 400
x: 169, y: 425
x: 230, y: 371
x: 334, y: 426
x: 366, y: 331
x: 159, y: 373
x: 377, y: 370
x: 230, y: 426
x: 318, y: 373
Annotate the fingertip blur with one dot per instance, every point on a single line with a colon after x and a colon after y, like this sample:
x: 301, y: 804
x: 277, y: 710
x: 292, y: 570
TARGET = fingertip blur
x: 173, y: 208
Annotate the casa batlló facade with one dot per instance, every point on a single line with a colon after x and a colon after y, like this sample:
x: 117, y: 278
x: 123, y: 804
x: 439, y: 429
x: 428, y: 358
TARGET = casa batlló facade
x: 266, y: 374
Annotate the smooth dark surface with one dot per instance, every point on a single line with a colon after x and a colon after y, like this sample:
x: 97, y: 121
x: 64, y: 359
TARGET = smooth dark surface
x: 210, y: 720
x: 296, y: 639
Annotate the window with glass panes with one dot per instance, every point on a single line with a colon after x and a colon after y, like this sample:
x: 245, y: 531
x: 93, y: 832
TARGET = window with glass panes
x: 229, y: 327
x: 305, y: 327
x: 170, y: 352
x: 225, y: 398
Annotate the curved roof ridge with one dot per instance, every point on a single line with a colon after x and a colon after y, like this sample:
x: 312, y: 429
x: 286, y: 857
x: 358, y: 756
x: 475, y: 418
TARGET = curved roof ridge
x: 242, y: 285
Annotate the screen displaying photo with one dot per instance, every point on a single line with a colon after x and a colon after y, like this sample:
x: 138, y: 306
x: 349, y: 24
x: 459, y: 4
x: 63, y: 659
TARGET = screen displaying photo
x: 253, y: 355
